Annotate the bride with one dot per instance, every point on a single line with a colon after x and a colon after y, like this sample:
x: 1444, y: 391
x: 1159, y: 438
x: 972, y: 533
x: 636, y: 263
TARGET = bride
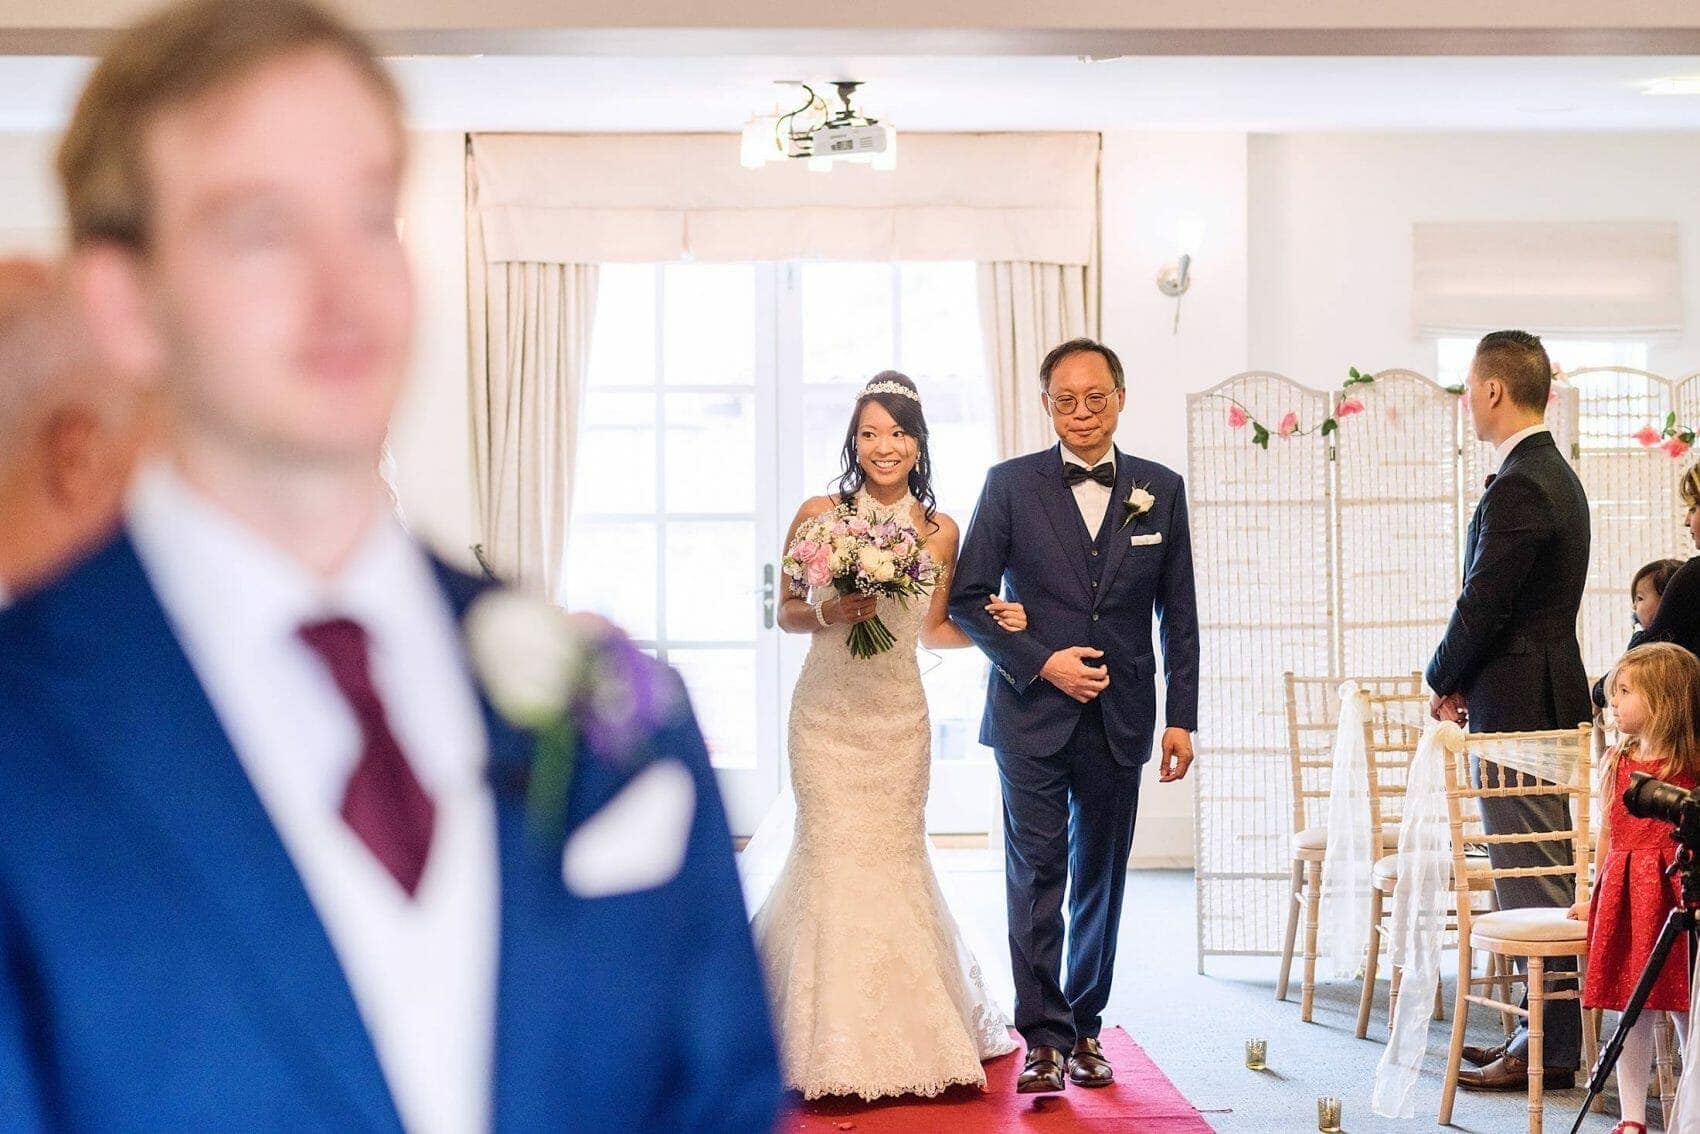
x: 874, y: 991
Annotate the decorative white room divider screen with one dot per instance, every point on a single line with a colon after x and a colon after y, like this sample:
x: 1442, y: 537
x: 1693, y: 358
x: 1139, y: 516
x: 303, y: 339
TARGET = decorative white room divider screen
x: 1342, y: 555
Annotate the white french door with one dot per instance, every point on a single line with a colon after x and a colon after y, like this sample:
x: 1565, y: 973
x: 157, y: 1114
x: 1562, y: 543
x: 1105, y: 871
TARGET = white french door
x: 718, y: 399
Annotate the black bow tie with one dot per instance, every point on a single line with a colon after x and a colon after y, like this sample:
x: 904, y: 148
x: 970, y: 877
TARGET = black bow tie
x: 1104, y: 474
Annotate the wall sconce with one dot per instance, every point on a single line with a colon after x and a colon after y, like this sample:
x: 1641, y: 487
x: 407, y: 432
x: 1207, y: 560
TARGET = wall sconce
x: 1174, y: 279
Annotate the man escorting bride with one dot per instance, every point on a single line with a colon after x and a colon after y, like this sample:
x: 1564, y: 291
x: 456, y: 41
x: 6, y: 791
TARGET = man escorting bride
x: 874, y: 991
x: 1092, y: 541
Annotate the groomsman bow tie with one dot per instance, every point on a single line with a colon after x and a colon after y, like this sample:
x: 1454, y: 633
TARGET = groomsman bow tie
x: 1488, y: 483
x: 1104, y: 474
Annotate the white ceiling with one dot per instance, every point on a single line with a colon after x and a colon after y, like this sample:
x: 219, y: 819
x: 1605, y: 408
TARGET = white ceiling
x: 1258, y: 94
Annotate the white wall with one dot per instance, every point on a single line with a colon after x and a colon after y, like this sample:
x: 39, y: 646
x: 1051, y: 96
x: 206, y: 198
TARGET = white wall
x: 1148, y: 181
x: 1330, y: 228
x: 431, y: 438
x: 30, y: 218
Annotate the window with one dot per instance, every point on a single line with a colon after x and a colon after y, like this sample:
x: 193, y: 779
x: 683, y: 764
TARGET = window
x: 717, y: 400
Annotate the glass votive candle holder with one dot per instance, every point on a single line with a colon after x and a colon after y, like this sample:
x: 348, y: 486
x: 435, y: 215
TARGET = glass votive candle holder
x: 1328, y: 1114
x: 1256, y: 1054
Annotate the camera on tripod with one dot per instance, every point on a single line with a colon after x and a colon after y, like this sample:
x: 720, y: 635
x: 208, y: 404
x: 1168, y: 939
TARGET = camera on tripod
x: 1649, y: 798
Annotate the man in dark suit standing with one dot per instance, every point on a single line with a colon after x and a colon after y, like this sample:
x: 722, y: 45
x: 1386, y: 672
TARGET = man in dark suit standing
x: 1510, y: 661
x: 1093, y: 541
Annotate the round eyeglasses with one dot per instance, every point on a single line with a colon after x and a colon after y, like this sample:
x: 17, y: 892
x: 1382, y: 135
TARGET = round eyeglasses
x: 1065, y: 404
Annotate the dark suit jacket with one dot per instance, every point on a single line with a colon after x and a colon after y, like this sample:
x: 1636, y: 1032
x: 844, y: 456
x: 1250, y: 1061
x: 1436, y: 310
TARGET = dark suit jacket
x: 1026, y: 541
x: 162, y: 967
x: 1511, y: 646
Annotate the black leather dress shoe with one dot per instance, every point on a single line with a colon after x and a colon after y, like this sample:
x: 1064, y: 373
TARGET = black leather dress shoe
x: 1043, y: 1072
x: 1508, y: 1073
x: 1482, y: 1056
x: 1087, y: 1065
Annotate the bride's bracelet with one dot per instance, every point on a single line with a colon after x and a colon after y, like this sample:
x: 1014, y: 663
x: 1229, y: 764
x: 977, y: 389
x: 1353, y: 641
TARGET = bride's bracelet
x: 820, y: 612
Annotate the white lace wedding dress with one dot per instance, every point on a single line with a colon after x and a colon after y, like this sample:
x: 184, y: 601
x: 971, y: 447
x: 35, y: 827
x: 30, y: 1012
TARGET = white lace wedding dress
x: 874, y: 991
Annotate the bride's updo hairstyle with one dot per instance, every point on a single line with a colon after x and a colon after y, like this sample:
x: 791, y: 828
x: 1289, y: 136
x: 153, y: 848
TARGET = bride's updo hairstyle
x: 905, y: 409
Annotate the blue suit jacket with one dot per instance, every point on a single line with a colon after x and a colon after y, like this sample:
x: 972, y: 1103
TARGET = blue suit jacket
x: 162, y: 968
x: 1025, y: 541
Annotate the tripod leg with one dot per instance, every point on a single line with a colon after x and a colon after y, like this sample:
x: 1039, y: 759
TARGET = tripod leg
x: 1678, y: 921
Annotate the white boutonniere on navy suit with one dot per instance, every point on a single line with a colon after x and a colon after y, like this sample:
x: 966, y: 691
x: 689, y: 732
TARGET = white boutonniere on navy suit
x: 1138, y: 503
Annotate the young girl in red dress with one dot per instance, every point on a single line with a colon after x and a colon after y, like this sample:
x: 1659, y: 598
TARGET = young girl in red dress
x: 1655, y: 695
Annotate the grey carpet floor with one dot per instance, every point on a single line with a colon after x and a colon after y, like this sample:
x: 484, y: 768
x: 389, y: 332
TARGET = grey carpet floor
x: 1195, y: 1026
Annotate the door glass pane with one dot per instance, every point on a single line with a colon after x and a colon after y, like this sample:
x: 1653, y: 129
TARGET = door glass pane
x: 615, y: 467
x: 826, y: 421
x: 611, y: 569
x: 622, y: 346
x: 722, y: 685
x: 711, y: 441
x: 711, y: 581
x: 711, y: 324
x: 847, y: 331
x: 941, y: 321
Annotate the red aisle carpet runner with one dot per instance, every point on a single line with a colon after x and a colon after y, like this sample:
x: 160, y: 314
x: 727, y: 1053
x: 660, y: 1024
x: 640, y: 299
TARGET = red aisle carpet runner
x: 1141, y: 1101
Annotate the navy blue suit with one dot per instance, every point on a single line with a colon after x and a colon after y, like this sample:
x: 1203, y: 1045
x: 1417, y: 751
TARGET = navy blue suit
x: 162, y: 967
x: 1071, y: 772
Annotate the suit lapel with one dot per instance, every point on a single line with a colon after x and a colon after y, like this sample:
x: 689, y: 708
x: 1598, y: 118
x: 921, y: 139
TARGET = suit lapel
x: 1064, y: 514
x: 137, y: 708
x: 1118, y: 536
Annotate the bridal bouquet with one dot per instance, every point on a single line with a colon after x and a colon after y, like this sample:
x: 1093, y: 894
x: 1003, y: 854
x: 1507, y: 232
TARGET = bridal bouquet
x: 855, y: 555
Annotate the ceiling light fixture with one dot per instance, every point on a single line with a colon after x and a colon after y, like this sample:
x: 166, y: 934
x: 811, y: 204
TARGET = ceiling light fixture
x: 816, y: 133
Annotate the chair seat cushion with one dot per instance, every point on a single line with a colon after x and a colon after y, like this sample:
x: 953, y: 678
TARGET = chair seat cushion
x: 1535, y: 923
x: 1316, y: 838
x: 1386, y: 872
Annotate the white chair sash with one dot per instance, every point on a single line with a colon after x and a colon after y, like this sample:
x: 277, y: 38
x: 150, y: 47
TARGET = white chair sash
x: 1349, y: 860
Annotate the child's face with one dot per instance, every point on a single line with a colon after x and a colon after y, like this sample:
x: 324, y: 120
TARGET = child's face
x: 1628, y: 706
x: 1645, y: 603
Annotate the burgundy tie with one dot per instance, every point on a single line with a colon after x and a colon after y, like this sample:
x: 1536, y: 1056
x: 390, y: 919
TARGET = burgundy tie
x: 1488, y: 483
x: 384, y: 802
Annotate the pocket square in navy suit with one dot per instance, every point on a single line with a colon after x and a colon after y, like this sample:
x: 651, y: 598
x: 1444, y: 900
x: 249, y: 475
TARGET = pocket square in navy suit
x: 638, y: 840
x: 1149, y: 540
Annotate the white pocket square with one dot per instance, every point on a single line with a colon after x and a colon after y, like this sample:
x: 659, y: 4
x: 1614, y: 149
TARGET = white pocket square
x: 1146, y: 540
x: 638, y: 840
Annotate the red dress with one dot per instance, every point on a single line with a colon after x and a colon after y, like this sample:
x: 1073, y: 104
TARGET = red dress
x: 1632, y: 897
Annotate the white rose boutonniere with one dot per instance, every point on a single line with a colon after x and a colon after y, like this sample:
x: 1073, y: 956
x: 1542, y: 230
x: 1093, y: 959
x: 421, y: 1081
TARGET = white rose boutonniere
x: 565, y: 678
x: 1138, y: 502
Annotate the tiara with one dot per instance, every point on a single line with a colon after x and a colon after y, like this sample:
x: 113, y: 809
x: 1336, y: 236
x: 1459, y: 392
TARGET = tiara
x: 889, y: 388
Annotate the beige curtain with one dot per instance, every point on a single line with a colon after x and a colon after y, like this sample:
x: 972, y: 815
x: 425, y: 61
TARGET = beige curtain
x: 1025, y: 310
x: 528, y: 387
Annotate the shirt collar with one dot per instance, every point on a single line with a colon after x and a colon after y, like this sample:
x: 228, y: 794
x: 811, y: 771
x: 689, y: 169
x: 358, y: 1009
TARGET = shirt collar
x: 1070, y: 459
x: 1513, y: 441
x: 207, y: 565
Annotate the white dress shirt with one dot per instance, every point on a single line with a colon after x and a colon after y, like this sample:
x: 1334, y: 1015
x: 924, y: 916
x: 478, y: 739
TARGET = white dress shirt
x: 1092, y: 498
x: 423, y: 971
x: 1512, y: 442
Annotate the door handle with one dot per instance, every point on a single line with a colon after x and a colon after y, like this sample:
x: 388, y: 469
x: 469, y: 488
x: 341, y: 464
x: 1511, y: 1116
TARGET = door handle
x: 768, y: 594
